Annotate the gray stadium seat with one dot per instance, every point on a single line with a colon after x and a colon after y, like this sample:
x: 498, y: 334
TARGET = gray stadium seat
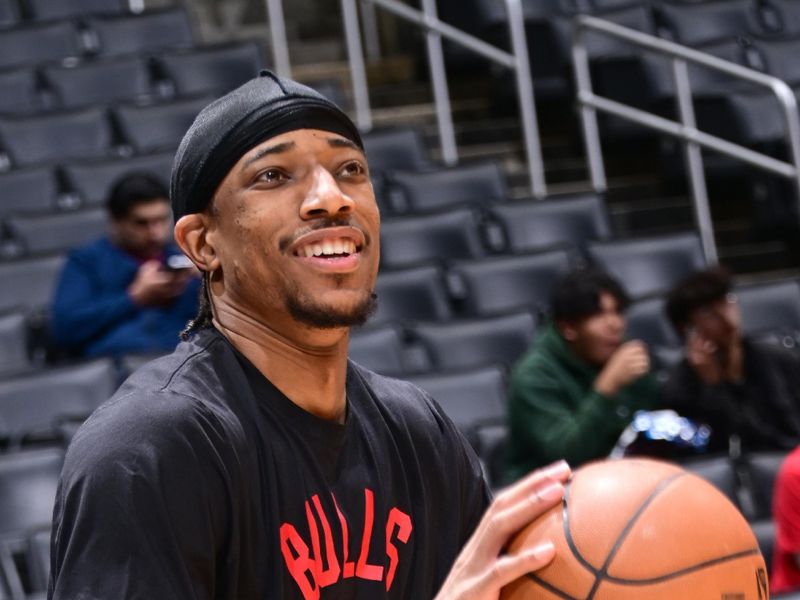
x: 34, y: 282
x: 417, y: 294
x: 28, y: 483
x: 406, y: 241
x: 20, y: 94
x: 49, y: 138
x: 778, y: 56
x: 158, y: 127
x: 91, y: 182
x: 33, y: 405
x: 31, y: 45
x: 99, y: 82
x: 13, y: 343
x: 695, y: 23
x: 24, y: 191
x: 211, y: 69
x: 38, y: 559
x: 380, y: 349
x: 788, y: 15
x: 426, y: 191
x: 770, y: 307
x: 136, y: 34
x: 509, y: 283
x: 648, y: 266
x: 57, y: 232
x: 9, y: 13
x: 467, y: 344
x: 44, y: 10
x: 528, y: 226
x: 719, y: 472
x: 472, y: 399
x: 395, y: 149
x: 762, y: 470
x: 648, y: 322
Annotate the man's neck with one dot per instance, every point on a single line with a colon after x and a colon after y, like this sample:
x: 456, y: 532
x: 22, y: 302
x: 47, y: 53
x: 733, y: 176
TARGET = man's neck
x: 311, y: 373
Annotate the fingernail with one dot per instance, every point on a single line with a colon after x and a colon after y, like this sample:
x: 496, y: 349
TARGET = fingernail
x: 543, y: 550
x: 557, y: 469
x: 552, y: 491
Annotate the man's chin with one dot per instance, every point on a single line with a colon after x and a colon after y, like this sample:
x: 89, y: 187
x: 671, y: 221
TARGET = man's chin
x: 321, y: 316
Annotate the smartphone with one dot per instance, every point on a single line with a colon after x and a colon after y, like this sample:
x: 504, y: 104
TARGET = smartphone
x: 178, y: 262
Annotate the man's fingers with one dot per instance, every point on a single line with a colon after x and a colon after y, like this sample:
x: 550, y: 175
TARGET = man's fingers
x: 511, y: 567
x: 558, y: 471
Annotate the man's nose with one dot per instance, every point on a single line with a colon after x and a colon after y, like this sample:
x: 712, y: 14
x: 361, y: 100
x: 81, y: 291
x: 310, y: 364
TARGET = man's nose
x: 325, y: 198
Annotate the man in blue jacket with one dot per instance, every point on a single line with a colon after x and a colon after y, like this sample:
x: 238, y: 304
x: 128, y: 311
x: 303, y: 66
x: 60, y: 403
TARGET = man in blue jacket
x: 127, y: 292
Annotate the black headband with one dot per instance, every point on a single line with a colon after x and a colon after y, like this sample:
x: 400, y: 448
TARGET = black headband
x: 230, y: 126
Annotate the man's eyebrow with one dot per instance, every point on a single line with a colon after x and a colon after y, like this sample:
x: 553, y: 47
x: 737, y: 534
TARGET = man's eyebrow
x: 338, y: 142
x: 276, y: 149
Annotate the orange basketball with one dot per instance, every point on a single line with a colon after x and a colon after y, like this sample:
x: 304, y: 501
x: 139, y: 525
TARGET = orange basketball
x: 634, y: 529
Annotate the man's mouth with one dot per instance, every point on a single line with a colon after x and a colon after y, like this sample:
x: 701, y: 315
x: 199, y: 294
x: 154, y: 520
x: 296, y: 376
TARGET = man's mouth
x: 327, y: 248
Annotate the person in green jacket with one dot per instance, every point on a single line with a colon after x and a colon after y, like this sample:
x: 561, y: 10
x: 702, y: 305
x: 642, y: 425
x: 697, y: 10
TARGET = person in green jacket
x: 572, y: 394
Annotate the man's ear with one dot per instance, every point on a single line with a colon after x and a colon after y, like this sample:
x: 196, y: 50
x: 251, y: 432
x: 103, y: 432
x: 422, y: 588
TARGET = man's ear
x: 191, y: 236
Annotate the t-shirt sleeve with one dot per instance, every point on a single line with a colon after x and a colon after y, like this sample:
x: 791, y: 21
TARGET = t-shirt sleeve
x: 787, y: 504
x: 142, y: 504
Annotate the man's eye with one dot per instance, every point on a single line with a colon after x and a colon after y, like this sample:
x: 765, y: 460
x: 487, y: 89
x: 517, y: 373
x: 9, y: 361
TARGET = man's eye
x: 272, y: 176
x: 352, y: 169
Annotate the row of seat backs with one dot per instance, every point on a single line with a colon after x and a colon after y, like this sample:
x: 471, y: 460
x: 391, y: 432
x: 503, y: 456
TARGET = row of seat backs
x: 107, y: 35
x: 18, y: 12
x: 187, y: 72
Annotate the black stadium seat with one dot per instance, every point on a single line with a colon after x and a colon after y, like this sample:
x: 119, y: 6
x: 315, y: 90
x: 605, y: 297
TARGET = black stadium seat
x: 718, y: 471
x: 696, y: 23
x: 33, y: 405
x: 770, y: 307
x: 9, y: 13
x: 466, y: 344
x: 787, y: 15
x: 35, y: 44
x: 28, y: 191
x: 34, y: 282
x: 92, y: 181
x: 99, y: 82
x: 158, y: 126
x: 28, y: 483
x: 417, y: 294
x: 648, y: 322
x: 778, y: 56
x: 50, y: 138
x: 148, y: 32
x: 47, y: 234
x: 394, y: 149
x: 214, y: 69
x: 406, y: 241
x: 13, y: 342
x: 509, y: 283
x: 762, y: 471
x: 20, y: 94
x: 647, y: 266
x: 44, y: 10
x: 415, y: 191
x: 528, y: 226
x: 380, y: 349
x: 471, y: 398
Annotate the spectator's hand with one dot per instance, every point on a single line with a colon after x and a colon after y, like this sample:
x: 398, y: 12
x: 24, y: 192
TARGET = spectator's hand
x: 153, y: 286
x: 701, y: 355
x: 481, y: 570
x: 627, y: 364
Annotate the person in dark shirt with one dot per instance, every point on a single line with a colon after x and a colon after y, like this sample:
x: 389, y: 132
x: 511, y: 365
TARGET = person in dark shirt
x: 125, y: 293
x: 747, y: 392
x: 572, y: 394
x: 257, y: 462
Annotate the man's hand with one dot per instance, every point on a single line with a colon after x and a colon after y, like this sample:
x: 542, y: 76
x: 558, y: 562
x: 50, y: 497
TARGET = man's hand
x: 153, y: 286
x: 627, y: 364
x: 481, y: 571
x: 701, y: 355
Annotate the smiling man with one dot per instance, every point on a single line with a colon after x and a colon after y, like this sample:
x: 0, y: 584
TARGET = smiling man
x: 256, y: 461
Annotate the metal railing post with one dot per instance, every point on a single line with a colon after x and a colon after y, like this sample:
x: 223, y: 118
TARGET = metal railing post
x: 694, y: 159
x: 441, y: 93
x: 790, y: 113
x: 277, y: 35
x: 358, y: 72
x: 589, y: 126
x: 369, y: 22
x: 527, y: 102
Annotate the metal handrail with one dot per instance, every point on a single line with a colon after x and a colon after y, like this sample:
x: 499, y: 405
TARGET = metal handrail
x: 435, y: 29
x: 686, y: 128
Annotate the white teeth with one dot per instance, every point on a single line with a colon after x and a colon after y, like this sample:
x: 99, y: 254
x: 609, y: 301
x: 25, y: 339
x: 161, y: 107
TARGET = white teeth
x: 328, y: 247
x: 350, y: 246
x: 317, y: 249
x: 338, y: 246
x: 308, y: 251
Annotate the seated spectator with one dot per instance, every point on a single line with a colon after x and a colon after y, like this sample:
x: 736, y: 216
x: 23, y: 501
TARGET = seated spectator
x: 127, y: 292
x: 575, y: 390
x: 748, y: 393
x: 785, y: 576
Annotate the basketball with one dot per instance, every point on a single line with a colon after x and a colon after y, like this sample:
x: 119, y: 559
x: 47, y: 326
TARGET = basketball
x: 633, y: 529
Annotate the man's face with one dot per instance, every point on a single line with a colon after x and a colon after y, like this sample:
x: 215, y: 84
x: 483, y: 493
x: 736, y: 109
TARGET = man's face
x: 296, y: 228
x: 718, y: 322
x: 144, y: 231
x: 598, y: 336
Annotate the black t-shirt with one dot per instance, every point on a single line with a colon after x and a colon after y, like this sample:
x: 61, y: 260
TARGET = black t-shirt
x: 199, y: 479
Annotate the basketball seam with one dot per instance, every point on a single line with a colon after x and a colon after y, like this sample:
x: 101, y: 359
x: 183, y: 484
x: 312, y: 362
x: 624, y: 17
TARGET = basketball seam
x: 686, y: 571
x: 551, y: 588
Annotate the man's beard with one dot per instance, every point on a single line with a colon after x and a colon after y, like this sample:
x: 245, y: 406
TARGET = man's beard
x: 306, y: 311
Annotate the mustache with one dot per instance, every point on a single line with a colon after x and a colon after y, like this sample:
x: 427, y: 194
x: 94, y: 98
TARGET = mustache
x: 324, y: 223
